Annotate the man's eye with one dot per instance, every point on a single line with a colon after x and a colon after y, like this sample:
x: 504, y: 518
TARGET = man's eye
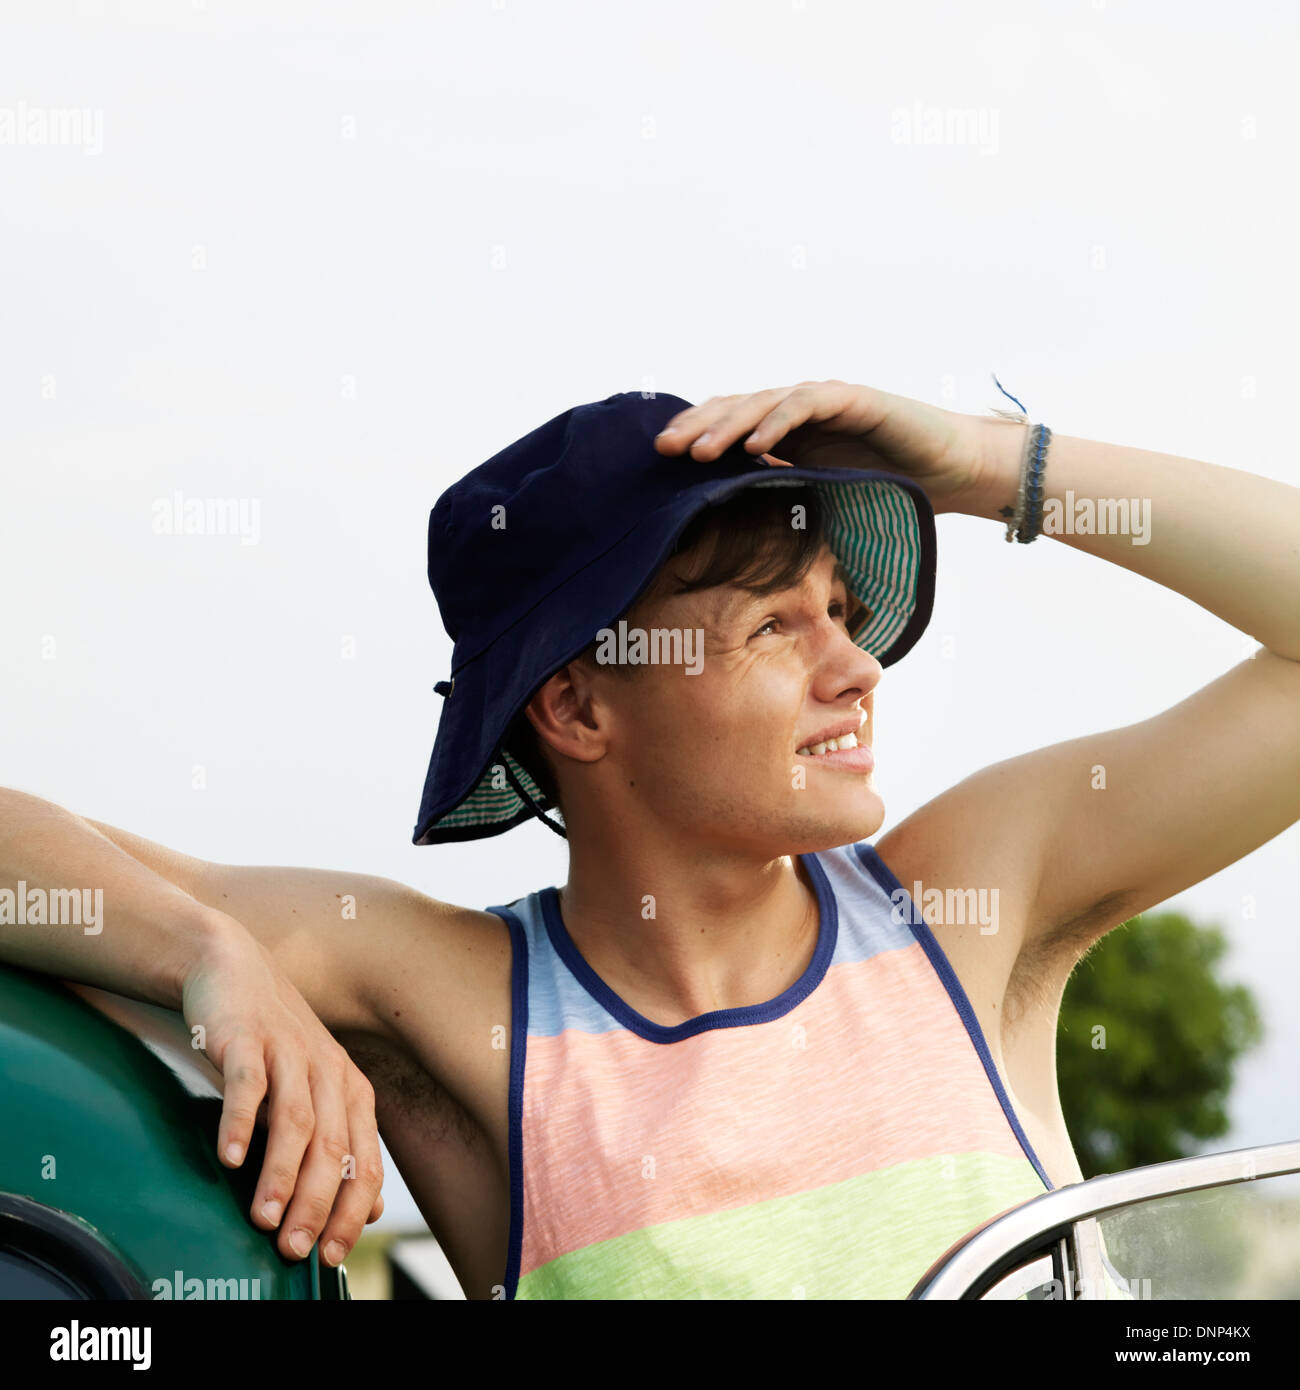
x: 836, y: 608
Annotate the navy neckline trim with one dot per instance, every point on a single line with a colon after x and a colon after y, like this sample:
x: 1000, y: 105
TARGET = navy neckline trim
x: 920, y: 928
x: 828, y: 933
x: 515, y: 1101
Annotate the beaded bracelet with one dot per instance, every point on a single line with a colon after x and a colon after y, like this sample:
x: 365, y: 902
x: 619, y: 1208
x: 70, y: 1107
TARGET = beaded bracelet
x: 1025, y: 520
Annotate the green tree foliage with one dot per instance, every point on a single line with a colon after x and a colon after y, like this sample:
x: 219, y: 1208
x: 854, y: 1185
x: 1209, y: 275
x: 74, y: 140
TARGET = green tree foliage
x: 1147, y: 1044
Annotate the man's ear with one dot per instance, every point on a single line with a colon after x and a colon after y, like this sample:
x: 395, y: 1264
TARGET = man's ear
x: 563, y: 711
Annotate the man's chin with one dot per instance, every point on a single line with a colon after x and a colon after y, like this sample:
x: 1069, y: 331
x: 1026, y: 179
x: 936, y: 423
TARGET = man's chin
x: 840, y: 825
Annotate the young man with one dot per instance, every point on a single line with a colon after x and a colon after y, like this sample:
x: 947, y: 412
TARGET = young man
x: 729, y: 1058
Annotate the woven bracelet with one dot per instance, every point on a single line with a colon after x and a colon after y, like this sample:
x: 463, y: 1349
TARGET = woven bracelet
x: 1027, y: 520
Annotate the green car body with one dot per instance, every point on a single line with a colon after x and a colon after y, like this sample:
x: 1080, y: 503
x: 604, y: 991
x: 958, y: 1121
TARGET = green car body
x: 110, y: 1185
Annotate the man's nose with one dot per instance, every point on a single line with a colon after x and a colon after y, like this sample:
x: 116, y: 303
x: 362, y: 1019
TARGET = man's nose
x: 846, y: 667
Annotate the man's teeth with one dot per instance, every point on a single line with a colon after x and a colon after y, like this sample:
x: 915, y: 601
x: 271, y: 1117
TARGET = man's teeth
x: 817, y: 749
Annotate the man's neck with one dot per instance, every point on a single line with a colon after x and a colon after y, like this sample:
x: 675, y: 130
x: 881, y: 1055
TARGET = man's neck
x: 703, y: 934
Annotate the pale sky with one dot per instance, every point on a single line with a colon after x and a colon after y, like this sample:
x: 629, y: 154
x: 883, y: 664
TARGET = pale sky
x: 328, y: 258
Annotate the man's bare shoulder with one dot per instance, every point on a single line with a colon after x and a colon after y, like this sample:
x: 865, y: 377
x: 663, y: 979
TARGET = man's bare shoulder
x: 957, y: 845
x: 418, y: 922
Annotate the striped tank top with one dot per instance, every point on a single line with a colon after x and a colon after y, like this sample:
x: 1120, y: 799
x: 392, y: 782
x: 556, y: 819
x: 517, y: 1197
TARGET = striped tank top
x: 830, y: 1143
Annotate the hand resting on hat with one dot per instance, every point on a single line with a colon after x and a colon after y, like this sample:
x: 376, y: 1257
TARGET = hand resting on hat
x: 832, y: 424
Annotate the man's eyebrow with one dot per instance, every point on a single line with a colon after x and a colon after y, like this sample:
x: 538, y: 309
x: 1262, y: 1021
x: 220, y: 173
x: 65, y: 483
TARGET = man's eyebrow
x: 739, y: 600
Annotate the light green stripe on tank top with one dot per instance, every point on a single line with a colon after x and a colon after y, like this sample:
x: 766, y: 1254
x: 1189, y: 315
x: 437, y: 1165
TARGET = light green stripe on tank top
x: 763, y: 1250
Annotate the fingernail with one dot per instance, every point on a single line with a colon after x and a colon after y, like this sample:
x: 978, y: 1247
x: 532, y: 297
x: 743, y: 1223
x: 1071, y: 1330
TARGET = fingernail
x: 300, y: 1241
x: 234, y: 1152
x: 704, y: 438
x: 334, y: 1252
x: 273, y: 1211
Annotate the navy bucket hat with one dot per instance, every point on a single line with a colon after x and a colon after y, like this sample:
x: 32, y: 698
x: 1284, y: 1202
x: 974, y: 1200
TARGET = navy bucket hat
x: 535, y: 551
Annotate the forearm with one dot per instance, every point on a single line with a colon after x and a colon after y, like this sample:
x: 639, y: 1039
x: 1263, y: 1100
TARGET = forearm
x: 1226, y: 539
x: 138, y: 933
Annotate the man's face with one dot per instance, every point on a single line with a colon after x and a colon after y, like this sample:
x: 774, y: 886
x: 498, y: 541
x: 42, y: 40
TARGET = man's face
x: 716, y: 754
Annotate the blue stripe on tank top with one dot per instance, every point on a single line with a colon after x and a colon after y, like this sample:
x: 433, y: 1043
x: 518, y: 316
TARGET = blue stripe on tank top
x: 559, y: 999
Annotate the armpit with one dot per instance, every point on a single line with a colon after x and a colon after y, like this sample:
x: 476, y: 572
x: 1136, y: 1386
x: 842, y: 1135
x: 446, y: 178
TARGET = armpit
x: 408, y: 1096
x: 1046, y: 961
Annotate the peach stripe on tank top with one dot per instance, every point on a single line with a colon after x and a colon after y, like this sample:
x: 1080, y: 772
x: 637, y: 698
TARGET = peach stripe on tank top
x: 822, y: 1094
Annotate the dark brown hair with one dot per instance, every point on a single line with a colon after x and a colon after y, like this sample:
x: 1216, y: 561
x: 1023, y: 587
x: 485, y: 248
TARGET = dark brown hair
x: 750, y: 541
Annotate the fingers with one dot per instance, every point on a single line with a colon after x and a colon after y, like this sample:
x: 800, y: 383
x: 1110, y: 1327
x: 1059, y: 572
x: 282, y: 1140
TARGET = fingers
x: 698, y: 429
x: 323, y: 1169
x: 326, y: 1147
x: 761, y: 419
x: 818, y: 401
x: 291, y: 1121
x: 245, y: 1085
x: 358, y: 1201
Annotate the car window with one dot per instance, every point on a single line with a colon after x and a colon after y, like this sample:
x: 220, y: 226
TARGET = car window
x: 1240, y: 1241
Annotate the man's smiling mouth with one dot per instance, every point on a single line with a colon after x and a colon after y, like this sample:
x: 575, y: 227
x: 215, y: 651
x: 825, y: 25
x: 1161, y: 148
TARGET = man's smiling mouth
x: 839, y: 747
x: 845, y: 733
x: 830, y: 745
x: 844, y: 753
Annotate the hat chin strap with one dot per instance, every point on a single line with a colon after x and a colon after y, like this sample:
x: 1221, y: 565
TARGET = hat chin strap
x: 528, y: 800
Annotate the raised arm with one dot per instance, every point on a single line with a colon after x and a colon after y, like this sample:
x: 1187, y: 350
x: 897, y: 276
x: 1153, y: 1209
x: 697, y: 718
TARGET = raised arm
x: 1094, y: 830
x: 1127, y: 818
